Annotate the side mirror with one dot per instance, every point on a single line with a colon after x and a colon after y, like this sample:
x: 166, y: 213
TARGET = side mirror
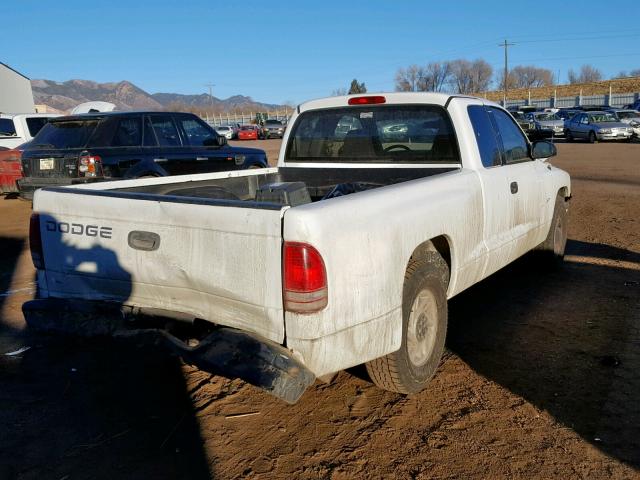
x: 217, y: 141
x: 543, y: 149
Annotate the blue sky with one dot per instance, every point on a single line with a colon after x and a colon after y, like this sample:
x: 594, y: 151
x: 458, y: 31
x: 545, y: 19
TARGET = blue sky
x: 279, y: 50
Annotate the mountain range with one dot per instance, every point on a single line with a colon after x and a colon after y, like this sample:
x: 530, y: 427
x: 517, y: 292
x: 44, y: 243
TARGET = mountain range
x: 127, y: 96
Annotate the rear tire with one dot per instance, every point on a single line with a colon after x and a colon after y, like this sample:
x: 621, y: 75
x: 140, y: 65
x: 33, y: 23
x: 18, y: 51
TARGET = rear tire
x: 424, y: 329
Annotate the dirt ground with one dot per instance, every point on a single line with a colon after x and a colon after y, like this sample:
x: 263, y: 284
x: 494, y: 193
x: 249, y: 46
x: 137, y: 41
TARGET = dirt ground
x: 541, y: 380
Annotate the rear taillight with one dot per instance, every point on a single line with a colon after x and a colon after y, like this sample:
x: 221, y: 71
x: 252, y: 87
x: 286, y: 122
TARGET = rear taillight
x: 89, y: 165
x: 35, y: 241
x: 305, y: 278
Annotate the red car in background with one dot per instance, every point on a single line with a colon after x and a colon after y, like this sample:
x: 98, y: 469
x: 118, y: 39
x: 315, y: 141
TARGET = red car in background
x: 10, y: 168
x: 248, y: 132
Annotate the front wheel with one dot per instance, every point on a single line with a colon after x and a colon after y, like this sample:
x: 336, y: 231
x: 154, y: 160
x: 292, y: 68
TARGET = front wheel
x: 552, y: 249
x: 592, y: 137
x: 424, y: 329
x: 569, y: 136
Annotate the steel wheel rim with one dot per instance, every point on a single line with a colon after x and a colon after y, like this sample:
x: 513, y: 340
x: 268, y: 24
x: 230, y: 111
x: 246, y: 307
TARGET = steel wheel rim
x: 423, y: 327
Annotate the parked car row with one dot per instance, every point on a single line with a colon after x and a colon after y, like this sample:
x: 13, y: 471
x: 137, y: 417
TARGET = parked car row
x: 588, y: 122
x: 268, y: 129
x: 102, y: 146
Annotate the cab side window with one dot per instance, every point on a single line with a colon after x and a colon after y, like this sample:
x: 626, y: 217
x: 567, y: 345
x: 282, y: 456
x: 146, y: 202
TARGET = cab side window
x: 197, y: 133
x: 514, y: 143
x: 485, y: 136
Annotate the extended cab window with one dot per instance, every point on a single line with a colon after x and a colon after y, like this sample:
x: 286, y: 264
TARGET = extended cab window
x: 485, y: 136
x: 7, y: 128
x: 380, y: 134
x: 514, y: 143
x: 35, y: 124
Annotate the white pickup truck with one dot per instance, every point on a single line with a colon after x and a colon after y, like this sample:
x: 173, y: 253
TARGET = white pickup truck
x: 16, y: 129
x: 380, y: 209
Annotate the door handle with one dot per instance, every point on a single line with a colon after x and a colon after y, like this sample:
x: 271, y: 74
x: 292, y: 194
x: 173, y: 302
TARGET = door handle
x: 160, y: 160
x: 514, y: 187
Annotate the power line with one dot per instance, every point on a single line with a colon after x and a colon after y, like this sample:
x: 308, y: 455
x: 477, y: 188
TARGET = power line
x: 210, y: 85
x: 506, y: 46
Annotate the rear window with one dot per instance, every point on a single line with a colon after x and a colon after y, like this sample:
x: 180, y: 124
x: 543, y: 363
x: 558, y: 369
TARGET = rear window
x: 379, y: 134
x: 35, y: 124
x: 66, y: 133
x: 7, y: 128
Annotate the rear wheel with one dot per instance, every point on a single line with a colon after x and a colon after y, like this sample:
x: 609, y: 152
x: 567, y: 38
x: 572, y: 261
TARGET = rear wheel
x: 424, y: 329
x: 592, y: 137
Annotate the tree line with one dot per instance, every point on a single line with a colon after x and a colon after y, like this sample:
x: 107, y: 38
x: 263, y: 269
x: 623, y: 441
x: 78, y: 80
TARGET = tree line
x: 477, y: 76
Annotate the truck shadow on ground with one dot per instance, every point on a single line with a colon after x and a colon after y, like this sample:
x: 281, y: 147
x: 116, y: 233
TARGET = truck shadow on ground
x: 11, y: 249
x: 92, y: 408
x: 565, y: 341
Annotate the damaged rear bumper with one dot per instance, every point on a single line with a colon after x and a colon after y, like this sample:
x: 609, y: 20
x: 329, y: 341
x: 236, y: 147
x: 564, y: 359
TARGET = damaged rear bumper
x: 225, y: 351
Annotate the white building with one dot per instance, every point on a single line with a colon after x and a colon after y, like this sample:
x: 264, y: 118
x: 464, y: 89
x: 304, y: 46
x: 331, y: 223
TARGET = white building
x: 15, y: 91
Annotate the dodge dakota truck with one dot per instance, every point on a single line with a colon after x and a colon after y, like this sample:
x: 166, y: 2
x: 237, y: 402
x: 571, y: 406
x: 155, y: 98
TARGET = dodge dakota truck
x: 344, y: 254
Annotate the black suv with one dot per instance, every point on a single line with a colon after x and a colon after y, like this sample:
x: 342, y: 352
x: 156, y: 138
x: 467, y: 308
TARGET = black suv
x: 101, y: 146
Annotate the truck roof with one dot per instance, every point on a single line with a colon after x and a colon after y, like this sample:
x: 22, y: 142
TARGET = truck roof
x: 390, y: 97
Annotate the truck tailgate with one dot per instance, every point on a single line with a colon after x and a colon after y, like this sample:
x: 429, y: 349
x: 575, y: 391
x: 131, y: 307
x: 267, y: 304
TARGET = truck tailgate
x: 216, y: 262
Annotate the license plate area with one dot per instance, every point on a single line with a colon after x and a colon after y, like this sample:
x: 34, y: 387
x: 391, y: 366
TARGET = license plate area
x: 47, y: 163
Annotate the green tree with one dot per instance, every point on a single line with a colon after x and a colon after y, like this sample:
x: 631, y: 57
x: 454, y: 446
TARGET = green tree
x: 357, y: 87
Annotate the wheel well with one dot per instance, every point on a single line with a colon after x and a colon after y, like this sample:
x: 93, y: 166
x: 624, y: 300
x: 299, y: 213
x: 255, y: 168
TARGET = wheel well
x: 439, y: 244
x: 564, y: 193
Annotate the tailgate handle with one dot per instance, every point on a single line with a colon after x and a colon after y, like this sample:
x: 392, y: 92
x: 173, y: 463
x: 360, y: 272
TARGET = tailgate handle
x: 146, y: 241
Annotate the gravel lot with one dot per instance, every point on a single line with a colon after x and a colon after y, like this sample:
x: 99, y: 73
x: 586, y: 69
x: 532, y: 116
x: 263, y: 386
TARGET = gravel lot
x: 541, y: 380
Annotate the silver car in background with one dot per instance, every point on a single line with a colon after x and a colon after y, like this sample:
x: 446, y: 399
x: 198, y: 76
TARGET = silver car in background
x: 631, y: 118
x: 545, y: 121
x: 597, y: 126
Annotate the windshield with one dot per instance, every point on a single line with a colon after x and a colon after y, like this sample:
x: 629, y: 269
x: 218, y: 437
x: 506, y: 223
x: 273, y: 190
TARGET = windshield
x: 65, y: 134
x: 628, y: 114
x: 546, y: 117
x: 273, y: 122
x: 380, y: 134
x: 7, y: 129
x: 603, y: 118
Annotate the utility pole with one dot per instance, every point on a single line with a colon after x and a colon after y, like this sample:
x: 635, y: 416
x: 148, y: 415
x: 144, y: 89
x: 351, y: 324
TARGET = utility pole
x: 506, y: 46
x: 210, y: 85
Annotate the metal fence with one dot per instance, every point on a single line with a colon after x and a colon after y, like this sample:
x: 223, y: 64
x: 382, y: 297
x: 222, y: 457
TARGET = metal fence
x: 612, y: 100
x: 244, y: 118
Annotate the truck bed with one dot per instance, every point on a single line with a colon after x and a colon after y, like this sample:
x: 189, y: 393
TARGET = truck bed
x: 243, y: 189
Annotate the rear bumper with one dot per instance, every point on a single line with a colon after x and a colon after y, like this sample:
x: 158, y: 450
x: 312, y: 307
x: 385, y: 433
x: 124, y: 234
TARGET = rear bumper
x: 225, y: 351
x: 28, y: 185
